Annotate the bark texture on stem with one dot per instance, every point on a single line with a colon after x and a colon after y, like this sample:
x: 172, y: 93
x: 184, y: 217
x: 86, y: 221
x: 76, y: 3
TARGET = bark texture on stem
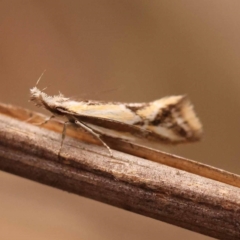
x: 164, y: 191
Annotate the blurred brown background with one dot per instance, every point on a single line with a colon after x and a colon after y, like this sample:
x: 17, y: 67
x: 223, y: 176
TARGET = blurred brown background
x: 143, y: 50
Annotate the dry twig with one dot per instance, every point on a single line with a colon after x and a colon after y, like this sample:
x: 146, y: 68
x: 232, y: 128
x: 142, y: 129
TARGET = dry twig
x: 168, y: 188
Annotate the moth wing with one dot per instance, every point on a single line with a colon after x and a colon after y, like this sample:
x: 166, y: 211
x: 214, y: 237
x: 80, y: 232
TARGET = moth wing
x: 168, y: 120
x: 114, y: 128
x: 111, y: 110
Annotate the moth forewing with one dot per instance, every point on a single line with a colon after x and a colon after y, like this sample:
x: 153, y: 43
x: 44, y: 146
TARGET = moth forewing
x: 167, y: 120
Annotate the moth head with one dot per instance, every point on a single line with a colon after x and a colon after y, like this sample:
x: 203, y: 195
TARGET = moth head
x: 51, y: 103
x: 37, y: 97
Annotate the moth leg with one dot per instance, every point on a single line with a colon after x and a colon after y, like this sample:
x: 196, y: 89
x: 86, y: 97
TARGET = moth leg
x: 45, y: 121
x: 30, y: 119
x: 63, y: 136
x: 96, y: 135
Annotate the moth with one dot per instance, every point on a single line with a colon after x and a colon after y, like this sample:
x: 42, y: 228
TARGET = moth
x: 169, y: 120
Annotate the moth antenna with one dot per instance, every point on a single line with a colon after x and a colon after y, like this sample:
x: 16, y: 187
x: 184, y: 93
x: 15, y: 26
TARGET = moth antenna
x: 40, y: 77
x: 44, y: 89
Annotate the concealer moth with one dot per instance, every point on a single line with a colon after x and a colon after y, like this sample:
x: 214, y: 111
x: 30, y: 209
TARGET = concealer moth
x: 169, y: 120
